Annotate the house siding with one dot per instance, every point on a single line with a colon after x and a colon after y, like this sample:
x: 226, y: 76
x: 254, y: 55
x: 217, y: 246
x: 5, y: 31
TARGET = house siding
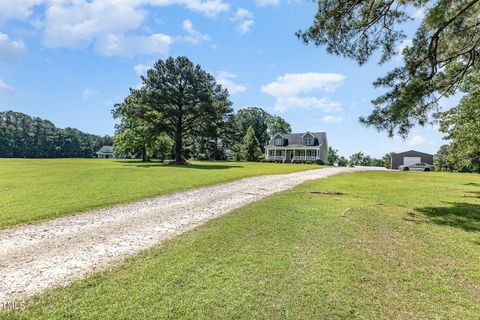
x: 397, y: 159
x: 317, y: 150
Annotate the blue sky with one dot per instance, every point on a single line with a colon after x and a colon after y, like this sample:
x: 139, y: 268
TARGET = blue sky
x: 69, y: 61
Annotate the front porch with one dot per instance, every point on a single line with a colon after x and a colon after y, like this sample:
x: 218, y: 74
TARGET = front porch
x: 292, y: 155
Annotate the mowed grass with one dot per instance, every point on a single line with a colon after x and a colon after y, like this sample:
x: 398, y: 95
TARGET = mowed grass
x: 36, y: 189
x: 394, y: 245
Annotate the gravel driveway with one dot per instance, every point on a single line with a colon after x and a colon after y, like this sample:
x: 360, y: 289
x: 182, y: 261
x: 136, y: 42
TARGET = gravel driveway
x: 56, y: 252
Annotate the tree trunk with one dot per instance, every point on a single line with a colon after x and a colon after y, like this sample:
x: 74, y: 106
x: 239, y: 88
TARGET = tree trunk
x: 178, y: 147
x: 144, y: 153
x: 216, y: 154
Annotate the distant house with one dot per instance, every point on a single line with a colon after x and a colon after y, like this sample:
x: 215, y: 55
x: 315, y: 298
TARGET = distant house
x: 298, y: 147
x: 105, y: 152
x: 410, y: 157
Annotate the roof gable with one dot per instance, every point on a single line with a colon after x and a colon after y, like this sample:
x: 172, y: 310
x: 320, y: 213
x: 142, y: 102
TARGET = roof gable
x: 411, y: 151
x: 307, y: 133
x: 296, y: 139
x: 106, y: 149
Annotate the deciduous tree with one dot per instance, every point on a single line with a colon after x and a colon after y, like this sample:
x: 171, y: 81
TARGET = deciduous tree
x: 276, y: 124
x: 264, y: 124
x: 462, y: 127
x: 332, y: 156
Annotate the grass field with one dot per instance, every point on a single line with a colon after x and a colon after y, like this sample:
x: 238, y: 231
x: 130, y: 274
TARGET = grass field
x: 393, y: 245
x: 36, y: 189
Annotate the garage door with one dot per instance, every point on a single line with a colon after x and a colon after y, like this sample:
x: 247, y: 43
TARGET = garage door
x: 411, y: 160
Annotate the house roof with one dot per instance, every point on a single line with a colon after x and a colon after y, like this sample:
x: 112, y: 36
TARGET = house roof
x: 296, y: 139
x: 106, y: 149
x: 411, y: 151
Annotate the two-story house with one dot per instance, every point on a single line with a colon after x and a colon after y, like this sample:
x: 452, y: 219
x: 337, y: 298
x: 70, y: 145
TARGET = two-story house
x: 298, y: 147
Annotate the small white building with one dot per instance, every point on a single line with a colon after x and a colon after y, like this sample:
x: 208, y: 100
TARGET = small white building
x: 105, y: 152
x: 298, y: 147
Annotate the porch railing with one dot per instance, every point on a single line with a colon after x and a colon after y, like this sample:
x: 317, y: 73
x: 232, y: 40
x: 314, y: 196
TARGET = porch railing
x: 295, y: 158
x: 305, y: 158
x: 276, y: 158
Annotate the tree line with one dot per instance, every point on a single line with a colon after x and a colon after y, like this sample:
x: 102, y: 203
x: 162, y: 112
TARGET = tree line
x: 461, y: 125
x: 181, y: 111
x: 23, y: 136
x: 358, y: 159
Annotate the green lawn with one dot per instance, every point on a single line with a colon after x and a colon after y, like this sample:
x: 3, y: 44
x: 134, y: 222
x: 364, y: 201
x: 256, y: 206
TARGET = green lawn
x: 394, y: 245
x: 36, y: 189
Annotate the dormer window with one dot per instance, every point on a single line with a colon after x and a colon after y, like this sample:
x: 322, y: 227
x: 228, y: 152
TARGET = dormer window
x: 308, y: 139
x: 279, y: 141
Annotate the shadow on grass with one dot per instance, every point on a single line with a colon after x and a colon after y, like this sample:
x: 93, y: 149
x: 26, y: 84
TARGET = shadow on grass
x: 153, y: 164
x: 465, y: 216
x: 473, y: 184
x: 472, y: 194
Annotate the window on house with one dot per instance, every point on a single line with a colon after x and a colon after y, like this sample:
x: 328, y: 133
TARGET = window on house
x: 279, y: 141
x: 308, y: 141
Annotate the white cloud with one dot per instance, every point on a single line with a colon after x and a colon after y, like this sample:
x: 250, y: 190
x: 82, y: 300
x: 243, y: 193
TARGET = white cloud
x: 245, y: 19
x: 194, y: 36
x: 419, y: 14
x: 207, y: 7
x: 87, y: 93
x: 10, y: 50
x: 282, y: 104
x: 141, y: 69
x: 6, y: 88
x: 331, y: 118
x: 129, y: 46
x: 17, y: 9
x: 263, y: 3
x: 290, y: 88
x: 226, y: 80
x: 242, y: 14
x: 78, y: 24
x: 295, y: 83
x: 23, y: 9
x: 416, y: 140
x: 245, y: 26
x: 105, y: 23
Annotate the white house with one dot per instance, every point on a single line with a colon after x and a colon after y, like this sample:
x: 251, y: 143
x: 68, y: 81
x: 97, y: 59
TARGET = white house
x: 105, y: 152
x: 298, y: 147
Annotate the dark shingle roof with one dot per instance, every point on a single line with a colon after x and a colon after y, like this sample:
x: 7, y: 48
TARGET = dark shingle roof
x: 296, y: 139
x: 411, y: 151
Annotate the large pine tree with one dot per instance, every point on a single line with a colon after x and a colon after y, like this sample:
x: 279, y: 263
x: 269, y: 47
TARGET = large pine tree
x: 179, y: 99
x: 443, y: 56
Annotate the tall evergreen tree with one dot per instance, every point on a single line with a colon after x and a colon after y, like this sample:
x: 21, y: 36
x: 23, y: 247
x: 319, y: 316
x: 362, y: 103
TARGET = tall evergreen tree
x: 179, y: 99
x: 251, y: 147
x: 444, y: 55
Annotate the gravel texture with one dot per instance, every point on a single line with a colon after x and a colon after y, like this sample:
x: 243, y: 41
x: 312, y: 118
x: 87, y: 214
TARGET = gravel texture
x: 38, y: 256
